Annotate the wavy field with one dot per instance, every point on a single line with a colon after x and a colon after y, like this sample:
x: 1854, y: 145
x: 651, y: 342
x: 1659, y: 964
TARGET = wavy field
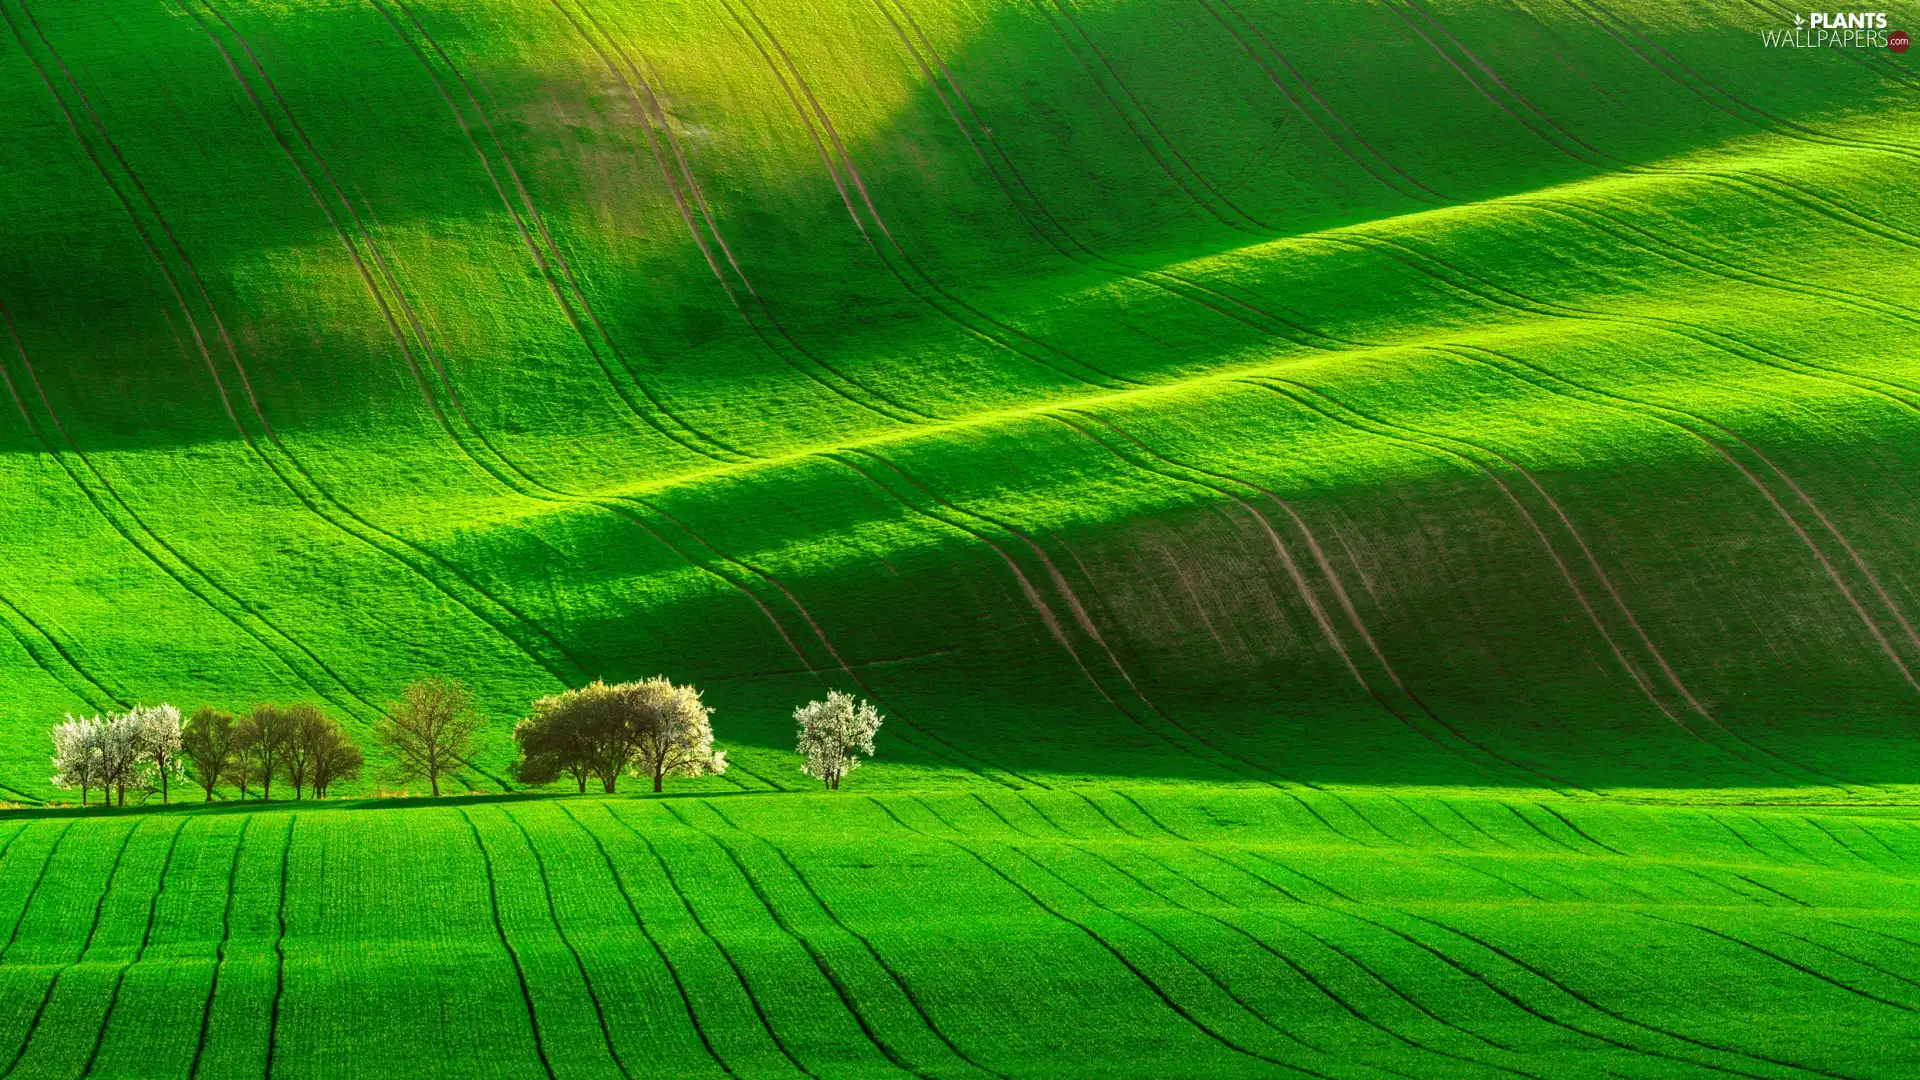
x: 1439, y: 449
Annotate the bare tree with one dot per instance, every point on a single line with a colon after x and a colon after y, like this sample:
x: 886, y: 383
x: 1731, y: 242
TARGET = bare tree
x: 207, y: 744
x: 429, y: 730
x: 334, y: 757
x: 307, y: 728
x: 265, y: 734
x: 834, y: 735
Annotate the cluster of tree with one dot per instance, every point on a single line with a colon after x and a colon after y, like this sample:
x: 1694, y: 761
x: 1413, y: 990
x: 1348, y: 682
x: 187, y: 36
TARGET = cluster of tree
x: 296, y: 743
x: 138, y: 749
x: 650, y: 728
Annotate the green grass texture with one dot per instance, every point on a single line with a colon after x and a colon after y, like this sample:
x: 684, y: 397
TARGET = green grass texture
x: 1480, y: 393
x: 1385, y: 533
x: 1154, y: 931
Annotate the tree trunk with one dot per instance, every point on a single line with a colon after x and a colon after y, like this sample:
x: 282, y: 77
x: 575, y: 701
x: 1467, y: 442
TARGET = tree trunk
x: 433, y: 779
x: 657, y: 777
x: 163, y: 787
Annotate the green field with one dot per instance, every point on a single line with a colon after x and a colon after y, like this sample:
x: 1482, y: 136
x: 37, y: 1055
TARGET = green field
x: 1387, y: 533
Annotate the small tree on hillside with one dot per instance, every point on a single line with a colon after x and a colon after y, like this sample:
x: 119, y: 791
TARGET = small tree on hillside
x: 651, y: 728
x: 307, y: 729
x: 120, y: 756
x: 556, y: 741
x: 332, y: 755
x: 834, y: 735
x: 206, y: 742
x: 77, y: 755
x: 264, y: 735
x: 245, y: 766
x: 673, y: 735
x: 429, y: 730
x: 157, y: 746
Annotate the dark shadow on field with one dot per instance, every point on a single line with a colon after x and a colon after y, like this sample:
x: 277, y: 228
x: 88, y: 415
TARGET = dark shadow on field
x: 1047, y: 157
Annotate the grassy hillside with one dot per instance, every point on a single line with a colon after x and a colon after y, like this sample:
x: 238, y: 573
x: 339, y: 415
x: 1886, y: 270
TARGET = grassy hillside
x: 1478, y: 393
x: 1156, y: 932
x: 1385, y: 532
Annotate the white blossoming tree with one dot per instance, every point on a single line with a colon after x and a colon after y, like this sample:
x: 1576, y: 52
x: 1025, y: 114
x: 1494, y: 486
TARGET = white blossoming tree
x: 156, y: 734
x: 834, y: 735
x: 671, y: 731
x: 120, y: 755
x: 77, y: 758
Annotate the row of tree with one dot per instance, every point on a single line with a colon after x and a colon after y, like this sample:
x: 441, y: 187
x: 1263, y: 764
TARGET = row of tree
x: 650, y: 728
x: 147, y: 749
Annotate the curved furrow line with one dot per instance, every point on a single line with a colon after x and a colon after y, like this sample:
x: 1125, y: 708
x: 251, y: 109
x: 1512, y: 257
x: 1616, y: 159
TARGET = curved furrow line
x: 1664, y: 413
x: 500, y: 929
x: 1316, y: 402
x: 1102, y: 811
x: 1081, y: 617
x: 312, y: 499
x: 1247, y: 224
x: 1158, y: 991
x: 527, y: 486
x: 146, y: 936
x: 1187, y: 956
x: 1421, y: 192
x: 1618, y: 28
x: 53, y: 984
x: 1789, y: 897
x: 1499, y: 296
x: 1316, y: 982
x: 1539, y: 1013
x: 1311, y: 979
x: 1580, y: 832
x: 546, y: 254
x: 1791, y: 846
x: 1621, y: 1017
x: 34, y: 889
x: 1543, y: 834
x: 1431, y: 825
x: 1740, y: 836
x: 1359, y: 964
x: 1842, y: 844
x: 1334, y: 409
x: 1472, y: 824
x: 899, y: 981
x: 1033, y: 596
x: 280, y: 945
x: 1001, y: 335
x: 1501, y: 878
x: 935, y: 744
x: 1787, y: 961
x: 699, y: 923
x: 579, y: 965
x: 653, y: 115
x: 1331, y: 576
x: 806, y: 943
x: 1699, y: 261
x: 387, y: 276
x: 186, y: 568
x: 1720, y: 885
x: 220, y: 950
x: 739, y: 974
x: 673, y: 970
x: 1056, y: 235
x: 1870, y: 965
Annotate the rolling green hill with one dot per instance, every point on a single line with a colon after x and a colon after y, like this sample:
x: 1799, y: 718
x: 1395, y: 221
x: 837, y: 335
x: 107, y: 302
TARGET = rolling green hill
x: 1414, y: 418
